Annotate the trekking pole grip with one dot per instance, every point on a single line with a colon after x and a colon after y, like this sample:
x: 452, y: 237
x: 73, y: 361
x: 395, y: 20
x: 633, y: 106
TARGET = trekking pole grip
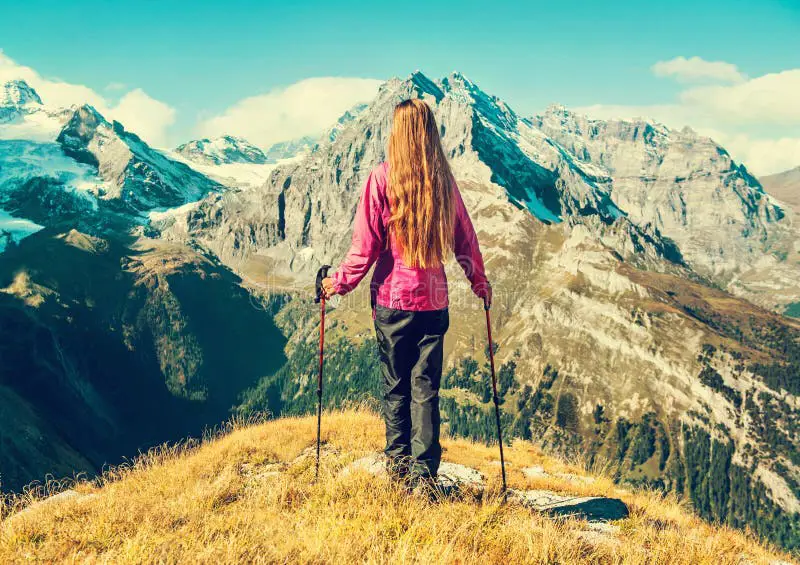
x: 321, y: 275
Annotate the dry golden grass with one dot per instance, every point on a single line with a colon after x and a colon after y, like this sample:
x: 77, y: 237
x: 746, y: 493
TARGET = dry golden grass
x: 238, y: 498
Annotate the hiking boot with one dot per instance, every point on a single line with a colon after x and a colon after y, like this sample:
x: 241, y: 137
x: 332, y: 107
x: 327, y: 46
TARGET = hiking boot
x: 425, y: 487
x: 398, y: 472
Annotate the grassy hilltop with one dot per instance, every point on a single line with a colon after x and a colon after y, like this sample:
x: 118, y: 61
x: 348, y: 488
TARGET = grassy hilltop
x: 248, y: 496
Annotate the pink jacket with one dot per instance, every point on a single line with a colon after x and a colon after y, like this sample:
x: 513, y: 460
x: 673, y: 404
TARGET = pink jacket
x: 394, y: 285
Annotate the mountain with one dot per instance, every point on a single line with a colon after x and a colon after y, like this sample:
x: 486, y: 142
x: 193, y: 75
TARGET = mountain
x: 784, y: 186
x: 290, y: 149
x: 17, y: 99
x: 669, y: 179
x: 136, y: 177
x: 222, y: 150
x: 111, y: 341
x: 72, y: 165
x: 610, y: 246
x: 343, y: 121
x: 182, y: 505
x: 23, y: 115
x: 639, y: 273
x: 111, y: 345
x: 236, y: 163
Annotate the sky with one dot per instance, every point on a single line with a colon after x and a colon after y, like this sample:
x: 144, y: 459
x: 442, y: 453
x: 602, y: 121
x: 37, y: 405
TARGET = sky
x: 269, y: 71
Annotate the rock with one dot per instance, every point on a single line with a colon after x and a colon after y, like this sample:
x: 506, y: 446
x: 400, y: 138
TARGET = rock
x: 576, y: 479
x: 603, y: 528
x: 311, y: 453
x: 374, y: 464
x: 261, y: 472
x: 538, y: 472
x: 597, y: 533
x: 535, y: 472
x: 454, y: 474
x: 450, y: 474
x: 588, y: 507
x: 50, y: 501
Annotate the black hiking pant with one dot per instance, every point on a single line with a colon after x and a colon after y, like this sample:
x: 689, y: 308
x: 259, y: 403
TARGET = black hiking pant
x: 411, y: 348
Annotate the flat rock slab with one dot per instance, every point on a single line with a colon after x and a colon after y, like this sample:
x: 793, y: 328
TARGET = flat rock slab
x: 374, y: 464
x: 450, y: 474
x: 454, y: 475
x: 593, y: 508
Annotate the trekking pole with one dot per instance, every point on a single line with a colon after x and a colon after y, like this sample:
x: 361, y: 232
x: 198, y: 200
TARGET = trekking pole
x: 320, y: 298
x: 494, y: 392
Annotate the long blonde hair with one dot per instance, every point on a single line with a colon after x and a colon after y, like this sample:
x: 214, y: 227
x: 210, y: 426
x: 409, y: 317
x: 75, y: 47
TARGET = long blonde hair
x: 420, y: 187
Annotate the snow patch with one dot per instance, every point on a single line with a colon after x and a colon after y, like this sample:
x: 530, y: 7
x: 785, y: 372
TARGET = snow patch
x: 13, y: 229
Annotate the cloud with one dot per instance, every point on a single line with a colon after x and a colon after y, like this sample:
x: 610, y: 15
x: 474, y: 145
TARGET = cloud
x: 755, y: 119
x: 304, y: 108
x: 772, y: 98
x: 150, y: 116
x: 696, y: 69
x: 764, y: 155
x: 136, y: 110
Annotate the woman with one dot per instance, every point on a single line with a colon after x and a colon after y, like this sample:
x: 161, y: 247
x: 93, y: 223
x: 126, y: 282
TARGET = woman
x: 409, y: 219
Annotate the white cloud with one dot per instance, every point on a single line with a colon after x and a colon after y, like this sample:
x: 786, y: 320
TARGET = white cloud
x: 697, y: 69
x: 772, y: 98
x: 764, y: 155
x: 150, y: 116
x: 306, y: 107
x: 136, y: 110
x: 757, y: 120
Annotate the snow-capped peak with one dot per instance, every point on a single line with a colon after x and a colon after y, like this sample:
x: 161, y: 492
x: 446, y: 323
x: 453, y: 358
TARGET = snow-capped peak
x: 290, y: 148
x: 222, y: 150
x: 423, y: 85
x: 18, y: 93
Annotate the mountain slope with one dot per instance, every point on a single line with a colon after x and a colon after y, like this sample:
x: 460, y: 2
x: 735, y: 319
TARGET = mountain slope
x: 113, y: 345
x: 248, y: 496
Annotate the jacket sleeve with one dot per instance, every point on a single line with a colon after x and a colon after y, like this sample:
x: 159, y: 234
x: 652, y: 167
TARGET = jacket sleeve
x: 368, y: 239
x: 466, y: 248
